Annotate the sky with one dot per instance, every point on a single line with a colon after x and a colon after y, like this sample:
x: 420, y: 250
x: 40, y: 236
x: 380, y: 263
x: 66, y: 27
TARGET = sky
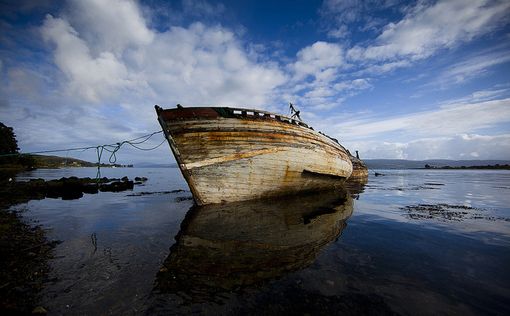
x: 392, y: 79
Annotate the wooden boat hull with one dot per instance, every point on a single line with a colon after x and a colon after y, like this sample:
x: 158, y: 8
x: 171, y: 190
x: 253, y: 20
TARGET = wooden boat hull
x: 359, y: 170
x: 227, y: 156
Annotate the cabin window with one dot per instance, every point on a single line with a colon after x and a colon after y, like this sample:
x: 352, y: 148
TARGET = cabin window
x: 237, y: 112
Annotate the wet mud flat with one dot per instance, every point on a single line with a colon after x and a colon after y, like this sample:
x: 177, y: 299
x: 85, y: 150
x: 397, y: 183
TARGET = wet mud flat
x: 25, y: 252
x: 24, y: 247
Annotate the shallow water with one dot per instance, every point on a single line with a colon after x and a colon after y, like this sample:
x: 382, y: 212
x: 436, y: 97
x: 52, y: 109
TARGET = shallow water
x: 409, y: 242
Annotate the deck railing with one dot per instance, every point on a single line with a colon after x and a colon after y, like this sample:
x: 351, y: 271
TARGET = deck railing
x: 239, y: 112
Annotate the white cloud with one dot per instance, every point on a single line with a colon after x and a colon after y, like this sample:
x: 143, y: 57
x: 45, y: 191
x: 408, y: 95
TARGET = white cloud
x: 384, y: 67
x: 472, y: 67
x: 194, y: 65
x: 208, y: 66
x: 448, y: 120
x: 478, y: 96
x: 378, y: 150
x: 92, y: 78
x: 110, y: 67
x: 318, y: 89
x: 316, y: 77
x: 110, y: 25
x: 317, y: 59
x: 339, y: 32
x: 346, y: 10
x: 102, y: 89
x: 457, y: 147
x: 28, y: 83
x: 428, y: 28
x: 341, y: 15
x: 462, y: 146
x: 356, y: 84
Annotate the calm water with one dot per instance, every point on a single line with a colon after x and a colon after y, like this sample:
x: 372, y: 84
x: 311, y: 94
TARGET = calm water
x: 409, y: 242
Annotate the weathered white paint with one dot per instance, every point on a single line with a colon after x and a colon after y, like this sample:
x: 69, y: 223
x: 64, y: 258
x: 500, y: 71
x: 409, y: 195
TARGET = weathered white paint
x: 236, y: 159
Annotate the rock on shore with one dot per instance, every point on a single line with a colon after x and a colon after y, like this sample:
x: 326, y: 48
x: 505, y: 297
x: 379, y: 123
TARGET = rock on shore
x: 24, y: 247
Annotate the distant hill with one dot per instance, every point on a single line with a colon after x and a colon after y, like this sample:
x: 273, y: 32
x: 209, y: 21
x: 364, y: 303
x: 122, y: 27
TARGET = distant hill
x: 42, y: 161
x: 50, y: 162
x: 435, y: 163
x: 58, y: 162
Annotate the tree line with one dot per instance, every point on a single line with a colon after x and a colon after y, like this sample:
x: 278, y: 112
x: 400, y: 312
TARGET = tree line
x: 9, y: 150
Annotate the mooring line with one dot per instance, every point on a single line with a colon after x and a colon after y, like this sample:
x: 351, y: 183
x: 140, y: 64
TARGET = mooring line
x: 111, y: 148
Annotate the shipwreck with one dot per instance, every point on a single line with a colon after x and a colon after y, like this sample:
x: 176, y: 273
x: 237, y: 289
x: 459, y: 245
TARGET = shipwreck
x: 234, y: 154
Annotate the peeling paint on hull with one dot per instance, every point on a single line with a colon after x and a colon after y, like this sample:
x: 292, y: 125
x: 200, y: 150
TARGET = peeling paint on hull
x: 231, y: 155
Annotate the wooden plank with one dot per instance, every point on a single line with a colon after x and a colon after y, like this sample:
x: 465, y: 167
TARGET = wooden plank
x: 231, y: 159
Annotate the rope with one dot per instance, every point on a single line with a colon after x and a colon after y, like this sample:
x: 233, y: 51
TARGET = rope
x: 131, y: 142
x: 111, y: 148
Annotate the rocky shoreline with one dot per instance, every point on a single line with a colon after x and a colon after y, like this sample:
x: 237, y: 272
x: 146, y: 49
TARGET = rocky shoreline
x: 24, y: 246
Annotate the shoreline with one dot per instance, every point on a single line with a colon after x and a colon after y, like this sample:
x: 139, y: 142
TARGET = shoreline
x: 24, y: 247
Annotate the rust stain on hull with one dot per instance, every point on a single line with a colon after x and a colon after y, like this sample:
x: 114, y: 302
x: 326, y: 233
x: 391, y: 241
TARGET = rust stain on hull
x: 231, y: 155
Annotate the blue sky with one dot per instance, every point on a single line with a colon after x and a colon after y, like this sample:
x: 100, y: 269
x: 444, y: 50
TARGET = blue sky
x: 392, y: 79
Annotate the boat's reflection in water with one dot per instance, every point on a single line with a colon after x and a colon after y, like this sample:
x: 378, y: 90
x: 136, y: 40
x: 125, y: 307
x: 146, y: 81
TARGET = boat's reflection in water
x: 356, y: 186
x: 227, y: 247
